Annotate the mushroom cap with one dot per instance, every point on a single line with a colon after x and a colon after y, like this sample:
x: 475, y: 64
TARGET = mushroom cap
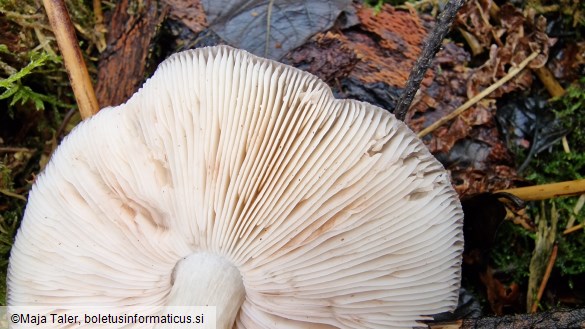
x: 333, y: 211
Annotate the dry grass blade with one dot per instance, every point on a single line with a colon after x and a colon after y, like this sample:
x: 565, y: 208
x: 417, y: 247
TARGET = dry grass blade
x: 74, y: 63
x: 573, y: 229
x: 512, y: 73
x: 12, y: 195
x: 447, y: 325
x: 99, y: 25
x: 548, y: 191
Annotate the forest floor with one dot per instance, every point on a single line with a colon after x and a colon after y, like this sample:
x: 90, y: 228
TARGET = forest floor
x: 528, y: 131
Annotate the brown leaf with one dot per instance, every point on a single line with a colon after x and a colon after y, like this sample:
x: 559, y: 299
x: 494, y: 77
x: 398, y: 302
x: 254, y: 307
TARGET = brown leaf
x: 567, y: 62
x: 498, y: 294
x: 523, y: 36
x: 474, y: 19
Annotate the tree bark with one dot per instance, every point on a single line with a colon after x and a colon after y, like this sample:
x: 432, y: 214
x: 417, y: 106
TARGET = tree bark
x: 122, y: 67
x: 557, y: 319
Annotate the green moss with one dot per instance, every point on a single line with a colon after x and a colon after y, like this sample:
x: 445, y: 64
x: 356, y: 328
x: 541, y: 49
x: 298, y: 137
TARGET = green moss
x: 35, y: 95
x: 377, y: 4
x: 572, y: 248
x: 555, y: 165
x: 8, y: 225
x: 17, y: 91
x: 10, y: 211
x: 512, y: 252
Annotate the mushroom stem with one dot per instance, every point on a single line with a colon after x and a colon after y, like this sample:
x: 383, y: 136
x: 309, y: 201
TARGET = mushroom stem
x: 207, y: 279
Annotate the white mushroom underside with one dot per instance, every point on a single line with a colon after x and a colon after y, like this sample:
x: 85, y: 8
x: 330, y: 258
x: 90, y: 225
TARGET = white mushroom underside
x: 332, y: 210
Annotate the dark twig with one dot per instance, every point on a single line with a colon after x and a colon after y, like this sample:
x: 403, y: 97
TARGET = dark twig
x: 65, y: 122
x: 430, y: 47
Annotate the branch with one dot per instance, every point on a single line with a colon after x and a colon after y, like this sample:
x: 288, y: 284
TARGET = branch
x: 430, y: 48
x: 545, y: 320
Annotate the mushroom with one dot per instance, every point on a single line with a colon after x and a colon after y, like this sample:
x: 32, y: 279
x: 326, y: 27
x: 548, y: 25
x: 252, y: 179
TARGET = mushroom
x: 239, y: 182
